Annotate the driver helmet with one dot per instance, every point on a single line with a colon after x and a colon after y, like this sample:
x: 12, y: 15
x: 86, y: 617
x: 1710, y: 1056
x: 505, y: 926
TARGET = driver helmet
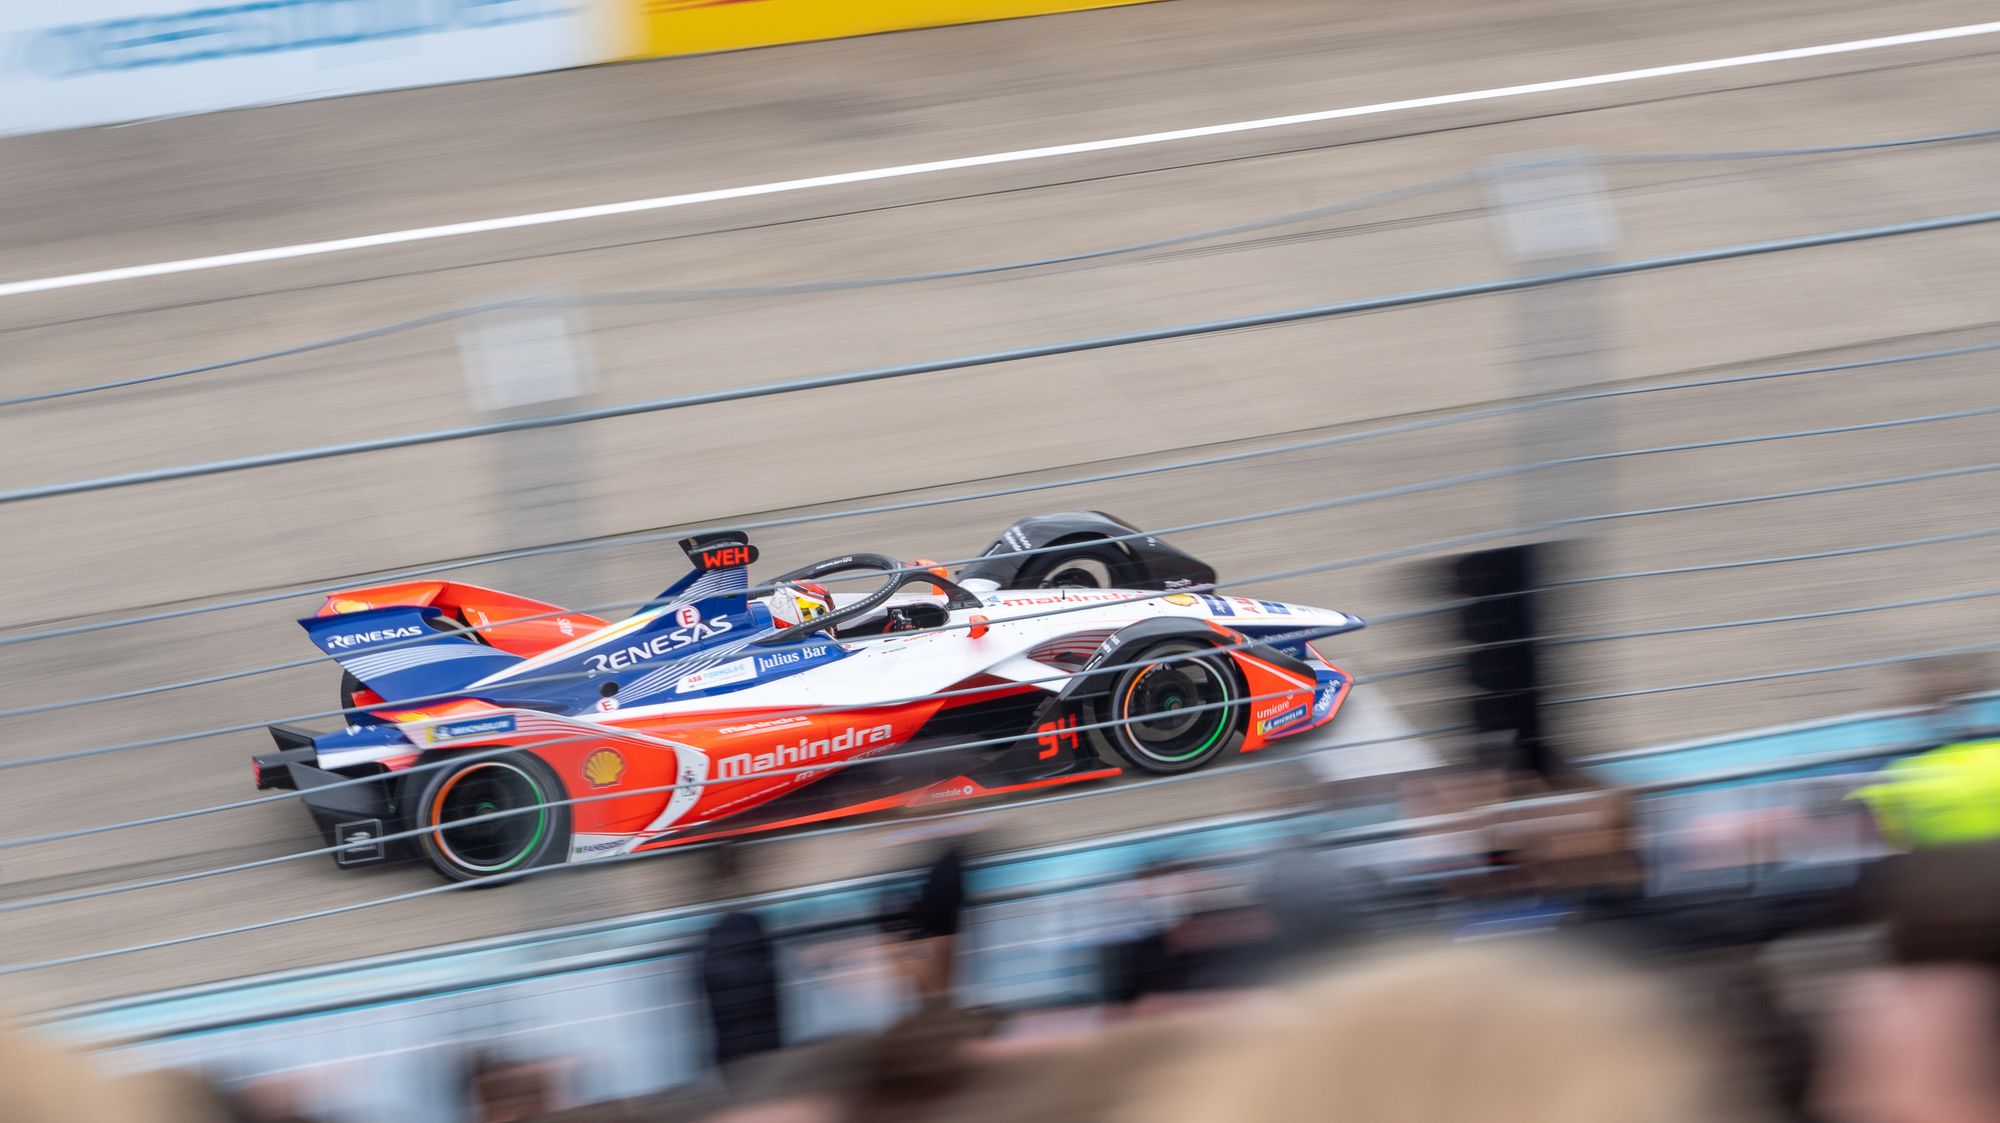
x: 801, y: 602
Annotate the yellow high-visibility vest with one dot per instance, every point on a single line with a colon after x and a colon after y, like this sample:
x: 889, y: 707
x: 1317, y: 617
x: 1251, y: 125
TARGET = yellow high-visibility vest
x: 1941, y: 797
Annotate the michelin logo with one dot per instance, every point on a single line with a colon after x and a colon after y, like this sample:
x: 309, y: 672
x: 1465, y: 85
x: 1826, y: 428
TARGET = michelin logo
x: 353, y: 639
x: 485, y: 727
x: 1289, y: 717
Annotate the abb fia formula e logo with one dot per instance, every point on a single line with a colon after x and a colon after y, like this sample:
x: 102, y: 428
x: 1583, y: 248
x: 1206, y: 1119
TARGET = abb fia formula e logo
x: 804, y: 751
x: 742, y: 670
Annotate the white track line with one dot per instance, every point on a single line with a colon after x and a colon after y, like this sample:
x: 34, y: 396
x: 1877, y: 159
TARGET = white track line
x: 603, y: 210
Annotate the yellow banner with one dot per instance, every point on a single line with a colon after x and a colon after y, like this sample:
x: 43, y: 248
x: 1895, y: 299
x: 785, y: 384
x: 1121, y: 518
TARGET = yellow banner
x: 686, y: 27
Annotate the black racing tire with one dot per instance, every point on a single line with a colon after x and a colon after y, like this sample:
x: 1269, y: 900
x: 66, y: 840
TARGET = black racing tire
x: 349, y: 687
x: 1145, y: 695
x: 1080, y: 565
x: 481, y: 785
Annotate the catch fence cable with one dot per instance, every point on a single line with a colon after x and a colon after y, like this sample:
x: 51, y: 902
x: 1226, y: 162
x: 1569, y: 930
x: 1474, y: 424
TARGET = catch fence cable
x: 1359, y: 680
x: 803, y: 288
x: 320, y: 914
x: 1368, y: 559
x: 994, y: 358
x: 1399, y: 491
x: 670, y: 534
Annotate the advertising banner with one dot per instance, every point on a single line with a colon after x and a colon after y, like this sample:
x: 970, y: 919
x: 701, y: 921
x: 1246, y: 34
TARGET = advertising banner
x: 684, y: 27
x: 94, y: 62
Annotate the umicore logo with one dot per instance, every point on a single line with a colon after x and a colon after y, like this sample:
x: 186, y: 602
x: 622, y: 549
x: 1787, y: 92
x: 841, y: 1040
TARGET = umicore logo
x: 804, y: 752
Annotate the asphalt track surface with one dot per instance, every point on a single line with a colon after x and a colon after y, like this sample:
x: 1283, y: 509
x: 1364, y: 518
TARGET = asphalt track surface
x: 105, y: 198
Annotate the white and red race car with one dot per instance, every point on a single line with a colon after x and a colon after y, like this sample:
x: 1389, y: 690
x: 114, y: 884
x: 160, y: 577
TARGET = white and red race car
x: 491, y: 733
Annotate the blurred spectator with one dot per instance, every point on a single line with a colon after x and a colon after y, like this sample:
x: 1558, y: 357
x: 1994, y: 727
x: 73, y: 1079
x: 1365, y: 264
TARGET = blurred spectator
x: 1318, y: 899
x: 1528, y: 763
x: 1558, y: 856
x: 190, y: 1096
x: 1210, y: 933
x: 679, y: 1104
x: 1914, y: 1045
x: 1946, y: 796
x: 1919, y: 1039
x: 1450, y: 846
x: 917, y: 1062
x: 929, y: 921
x: 500, y: 1090
x: 936, y: 917
x: 1501, y: 1032
x: 1950, y: 794
x: 1132, y: 961
x: 739, y: 973
x: 800, y: 1109
x: 943, y: 1063
x: 43, y: 1083
x: 1941, y: 684
x: 1939, y: 906
x: 903, y: 1069
x: 271, y: 1099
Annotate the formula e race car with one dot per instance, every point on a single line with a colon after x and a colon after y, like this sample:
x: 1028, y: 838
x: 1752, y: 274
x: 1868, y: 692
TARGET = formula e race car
x: 492, y: 734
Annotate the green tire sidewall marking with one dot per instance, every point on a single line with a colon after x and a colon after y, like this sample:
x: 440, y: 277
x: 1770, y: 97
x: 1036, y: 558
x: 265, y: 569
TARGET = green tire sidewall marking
x: 534, y: 842
x: 1221, y: 727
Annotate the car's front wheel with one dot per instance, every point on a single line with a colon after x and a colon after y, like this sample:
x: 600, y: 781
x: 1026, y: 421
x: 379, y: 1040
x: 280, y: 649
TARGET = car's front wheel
x: 491, y: 815
x: 1174, y: 709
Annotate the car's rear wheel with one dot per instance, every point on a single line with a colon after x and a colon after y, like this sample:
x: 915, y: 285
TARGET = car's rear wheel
x: 487, y: 816
x: 1173, y: 707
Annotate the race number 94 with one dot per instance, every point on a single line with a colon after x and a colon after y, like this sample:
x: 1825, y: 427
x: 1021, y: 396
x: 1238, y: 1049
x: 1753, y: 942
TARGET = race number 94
x: 1055, y: 736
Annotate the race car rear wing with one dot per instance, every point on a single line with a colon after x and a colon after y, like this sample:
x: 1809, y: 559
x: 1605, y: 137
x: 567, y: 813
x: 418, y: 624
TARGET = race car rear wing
x: 721, y: 572
x: 401, y: 652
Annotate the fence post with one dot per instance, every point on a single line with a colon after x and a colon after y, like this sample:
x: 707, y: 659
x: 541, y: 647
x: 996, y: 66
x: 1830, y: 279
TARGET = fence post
x: 525, y: 356
x: 1553, y: 215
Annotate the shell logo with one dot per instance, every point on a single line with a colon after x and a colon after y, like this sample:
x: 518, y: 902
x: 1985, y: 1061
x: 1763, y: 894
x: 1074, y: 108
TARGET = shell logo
x: 349, y: 604
x: 1182, y: 599
x: 603, y: 768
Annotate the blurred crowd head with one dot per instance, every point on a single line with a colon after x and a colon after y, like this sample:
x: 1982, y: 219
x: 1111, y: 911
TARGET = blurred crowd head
x: 1497, y: 1032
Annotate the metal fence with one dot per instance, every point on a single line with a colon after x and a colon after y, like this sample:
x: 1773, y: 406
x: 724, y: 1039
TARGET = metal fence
x: 58, y: 732
x: 617, y: 1007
